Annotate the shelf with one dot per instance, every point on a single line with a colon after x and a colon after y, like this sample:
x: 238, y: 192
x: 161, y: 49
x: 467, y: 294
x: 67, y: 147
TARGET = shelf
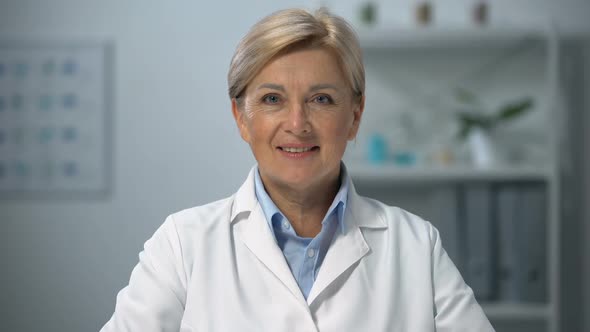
x: 387, y: 173
x: 502, y: 311
x: 391, y: 39
x: 498, y: 60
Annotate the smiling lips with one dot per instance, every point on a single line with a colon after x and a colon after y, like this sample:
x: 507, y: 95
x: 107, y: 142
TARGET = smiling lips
x: 298, y: 151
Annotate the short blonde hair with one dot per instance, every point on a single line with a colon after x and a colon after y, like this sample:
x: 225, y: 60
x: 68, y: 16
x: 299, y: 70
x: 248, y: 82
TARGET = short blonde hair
x: 290, y: 29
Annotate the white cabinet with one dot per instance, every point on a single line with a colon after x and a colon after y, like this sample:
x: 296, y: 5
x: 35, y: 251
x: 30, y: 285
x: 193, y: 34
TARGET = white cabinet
x: 412, y: 78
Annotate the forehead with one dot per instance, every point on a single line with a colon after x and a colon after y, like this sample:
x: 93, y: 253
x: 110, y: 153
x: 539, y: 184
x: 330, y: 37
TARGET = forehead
x: 313, y: 65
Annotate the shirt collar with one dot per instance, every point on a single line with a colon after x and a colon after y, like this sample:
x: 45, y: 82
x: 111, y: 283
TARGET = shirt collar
x: 338, y: 205
x: 268, y: 206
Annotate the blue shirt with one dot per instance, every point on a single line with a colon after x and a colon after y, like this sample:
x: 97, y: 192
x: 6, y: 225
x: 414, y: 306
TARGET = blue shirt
x: 304, y: 255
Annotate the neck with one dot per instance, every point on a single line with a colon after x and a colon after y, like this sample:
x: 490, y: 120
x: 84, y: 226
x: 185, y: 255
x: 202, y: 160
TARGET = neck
x: 304, y: 207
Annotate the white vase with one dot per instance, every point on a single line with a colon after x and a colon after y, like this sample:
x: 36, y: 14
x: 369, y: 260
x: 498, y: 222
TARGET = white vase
x: 481, y: 148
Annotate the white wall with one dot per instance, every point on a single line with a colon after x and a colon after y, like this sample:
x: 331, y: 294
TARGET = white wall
x: 175, y: 143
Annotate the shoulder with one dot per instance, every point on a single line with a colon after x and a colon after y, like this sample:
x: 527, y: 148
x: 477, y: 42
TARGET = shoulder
x: 209, y: 222
x: 186, y: 232
x: 403, y: 225
x: 203, y: 216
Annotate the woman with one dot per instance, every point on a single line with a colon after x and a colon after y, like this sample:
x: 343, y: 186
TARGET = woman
x: 296, y: 248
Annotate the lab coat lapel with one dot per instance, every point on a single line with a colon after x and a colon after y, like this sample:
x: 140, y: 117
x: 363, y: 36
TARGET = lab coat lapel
x: 348, y: 246
x: 346, y: 250
x: 255, y: 233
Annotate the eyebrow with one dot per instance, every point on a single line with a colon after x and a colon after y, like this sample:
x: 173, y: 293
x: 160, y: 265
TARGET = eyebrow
x: 312, y: 88
x: 323, y: 86
x: 271, y: 86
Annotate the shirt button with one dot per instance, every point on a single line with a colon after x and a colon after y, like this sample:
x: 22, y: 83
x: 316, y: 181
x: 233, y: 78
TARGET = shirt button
x: 310, y: 253
x: 286, y: 224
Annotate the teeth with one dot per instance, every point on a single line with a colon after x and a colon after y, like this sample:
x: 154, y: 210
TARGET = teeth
x: 298, y: 150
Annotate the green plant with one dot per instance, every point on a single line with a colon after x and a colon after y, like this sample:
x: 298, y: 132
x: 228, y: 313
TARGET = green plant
x: 368, y: 13
x: 476, y: 118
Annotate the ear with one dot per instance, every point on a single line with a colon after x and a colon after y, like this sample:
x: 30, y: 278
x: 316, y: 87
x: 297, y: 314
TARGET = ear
x: 359, y: 108
x: 240, y: 120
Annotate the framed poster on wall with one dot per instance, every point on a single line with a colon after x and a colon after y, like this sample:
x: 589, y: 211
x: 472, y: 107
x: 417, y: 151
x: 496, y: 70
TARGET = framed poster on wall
x: 55, y: 119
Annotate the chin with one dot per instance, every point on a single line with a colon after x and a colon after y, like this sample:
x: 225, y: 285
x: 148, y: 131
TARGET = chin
x: 298, y: 175
x: 292, y: 176
x: 303, y: 176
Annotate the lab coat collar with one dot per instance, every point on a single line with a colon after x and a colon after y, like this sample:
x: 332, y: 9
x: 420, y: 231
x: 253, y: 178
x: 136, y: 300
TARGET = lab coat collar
x: 244, y: 201
x: 362, y: 213
x: 347, y: 248
x: 251, y: 227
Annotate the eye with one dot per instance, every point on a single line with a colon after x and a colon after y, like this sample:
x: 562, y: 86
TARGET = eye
x: 271, y: 99
x: 323, y: 99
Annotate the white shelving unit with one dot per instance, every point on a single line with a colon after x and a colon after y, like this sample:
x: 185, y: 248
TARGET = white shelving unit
x: 517, y: 311
x: 430, y: 42
x: 433, y: 38
x: 367, y: 172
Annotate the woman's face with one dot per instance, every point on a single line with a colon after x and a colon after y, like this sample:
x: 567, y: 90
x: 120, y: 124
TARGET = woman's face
x: 297, y: 116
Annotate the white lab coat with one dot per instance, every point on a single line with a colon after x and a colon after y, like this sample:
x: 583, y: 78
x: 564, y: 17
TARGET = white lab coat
x: 217, y: 267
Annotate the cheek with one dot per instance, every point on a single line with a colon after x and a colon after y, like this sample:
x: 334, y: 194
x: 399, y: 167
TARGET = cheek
x: 261, y: 128
x: 336, y: 133
x: 338, y: 127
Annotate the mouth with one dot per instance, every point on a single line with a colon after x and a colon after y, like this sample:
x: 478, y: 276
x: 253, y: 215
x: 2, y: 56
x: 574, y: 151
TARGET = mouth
x: 298, y: 149
x: 297, y: 152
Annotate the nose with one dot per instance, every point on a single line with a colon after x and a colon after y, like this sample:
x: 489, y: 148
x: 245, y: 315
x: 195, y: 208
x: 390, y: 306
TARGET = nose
x: 298, y: 119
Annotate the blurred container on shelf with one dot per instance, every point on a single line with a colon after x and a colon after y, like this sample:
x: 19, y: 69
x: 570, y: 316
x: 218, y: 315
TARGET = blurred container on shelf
x: 480, y: 13
x: 424, y: 13
x: 377, y: 149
